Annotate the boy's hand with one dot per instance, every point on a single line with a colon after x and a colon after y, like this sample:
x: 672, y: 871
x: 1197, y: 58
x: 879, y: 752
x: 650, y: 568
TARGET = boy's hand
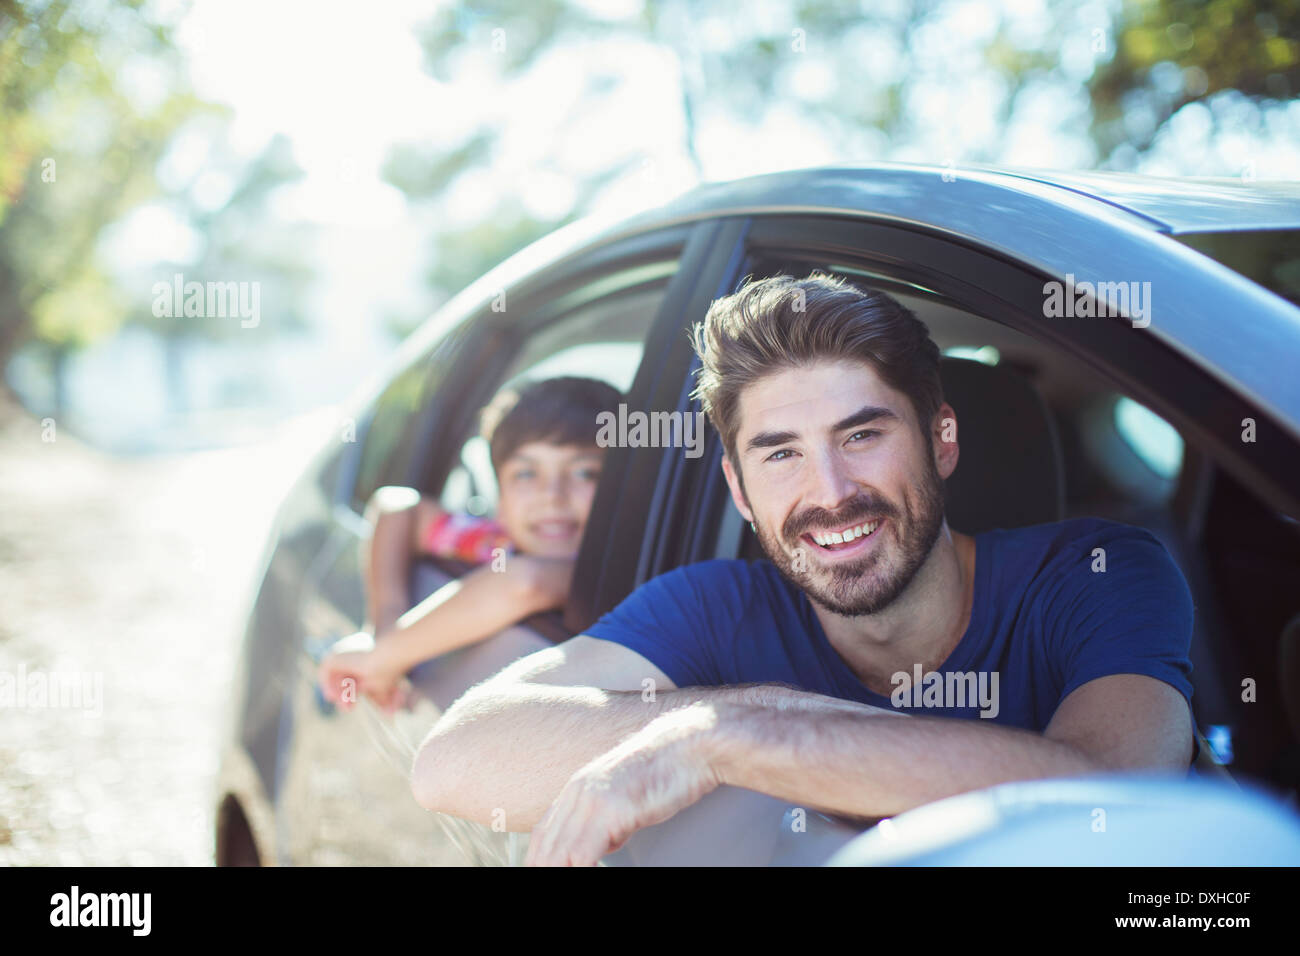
x: 540, y: 583
x: 369, y: 672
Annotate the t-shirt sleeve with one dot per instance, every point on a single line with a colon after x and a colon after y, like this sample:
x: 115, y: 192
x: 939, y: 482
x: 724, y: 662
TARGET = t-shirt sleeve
x: 1133, y: 617
x: 464, y: 537
x: 668, y: 622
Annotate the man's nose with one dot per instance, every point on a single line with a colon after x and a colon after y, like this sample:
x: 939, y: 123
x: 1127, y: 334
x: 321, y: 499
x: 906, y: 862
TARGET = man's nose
x: 830, y: 484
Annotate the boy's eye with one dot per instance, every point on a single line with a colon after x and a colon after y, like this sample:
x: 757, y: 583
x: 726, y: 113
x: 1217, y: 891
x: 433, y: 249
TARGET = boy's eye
x: 589, y: 474
x: 779, y: 455
x: 524, y: 474
x: 865, y: 434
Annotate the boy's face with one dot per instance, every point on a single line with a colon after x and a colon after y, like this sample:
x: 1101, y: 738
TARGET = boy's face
x: 545, y: 496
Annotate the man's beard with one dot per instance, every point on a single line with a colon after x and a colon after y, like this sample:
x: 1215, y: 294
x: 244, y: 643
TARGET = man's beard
x: 874, y: 581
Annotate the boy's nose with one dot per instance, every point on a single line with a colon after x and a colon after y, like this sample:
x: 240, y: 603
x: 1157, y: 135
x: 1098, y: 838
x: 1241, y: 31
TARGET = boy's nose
x: 558, y: 487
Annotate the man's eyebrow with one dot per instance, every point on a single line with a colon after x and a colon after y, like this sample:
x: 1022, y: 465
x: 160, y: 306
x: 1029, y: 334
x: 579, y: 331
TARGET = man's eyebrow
x: 863, y: 416
x: 770, y: 440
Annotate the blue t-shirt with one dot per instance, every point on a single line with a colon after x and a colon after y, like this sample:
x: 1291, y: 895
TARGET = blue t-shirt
x: 1046, y: 619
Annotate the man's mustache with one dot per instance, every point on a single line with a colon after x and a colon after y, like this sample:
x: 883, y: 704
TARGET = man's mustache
x: 860, y: 509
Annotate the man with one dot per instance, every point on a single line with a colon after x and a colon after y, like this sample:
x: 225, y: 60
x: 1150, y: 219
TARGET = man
x: 791, y: 677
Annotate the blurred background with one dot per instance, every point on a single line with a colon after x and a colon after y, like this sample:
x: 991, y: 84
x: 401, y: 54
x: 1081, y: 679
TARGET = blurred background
x: 357, y: 166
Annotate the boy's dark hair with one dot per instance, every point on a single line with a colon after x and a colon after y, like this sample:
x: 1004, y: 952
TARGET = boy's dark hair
x: 783, y: 322
x: 559, y: 411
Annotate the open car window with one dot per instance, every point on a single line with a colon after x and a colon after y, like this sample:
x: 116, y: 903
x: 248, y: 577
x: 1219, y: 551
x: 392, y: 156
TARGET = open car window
x: 604, y: 339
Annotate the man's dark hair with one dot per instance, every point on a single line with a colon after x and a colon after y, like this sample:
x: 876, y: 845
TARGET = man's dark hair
x: 558, y: 411
x: 782, y: 322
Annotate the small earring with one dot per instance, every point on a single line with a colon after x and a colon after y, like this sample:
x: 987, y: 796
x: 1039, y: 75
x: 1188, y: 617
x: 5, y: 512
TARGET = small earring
x: 752, y: 528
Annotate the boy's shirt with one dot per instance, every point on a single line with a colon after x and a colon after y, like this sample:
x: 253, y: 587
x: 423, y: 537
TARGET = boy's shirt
x: 1045, y: 620
x: 464, y: 537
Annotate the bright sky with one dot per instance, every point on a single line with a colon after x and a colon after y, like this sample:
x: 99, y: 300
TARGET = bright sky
x: 342, y: 81
x: 346, y: 84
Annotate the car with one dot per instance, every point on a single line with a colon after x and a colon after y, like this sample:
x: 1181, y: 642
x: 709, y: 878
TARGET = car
x: 1114, y: 345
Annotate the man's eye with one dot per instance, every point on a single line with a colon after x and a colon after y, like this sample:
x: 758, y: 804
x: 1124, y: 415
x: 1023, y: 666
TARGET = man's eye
x: 524, y: 475
x: 777, y: 456
x: 589, y: 474
x: 865, y: 434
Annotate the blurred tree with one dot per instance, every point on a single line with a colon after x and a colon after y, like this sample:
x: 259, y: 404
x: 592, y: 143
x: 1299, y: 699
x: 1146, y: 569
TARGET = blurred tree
x: 82, y: 124
x: 93, y: 95
x: 726, y: 66
x: 881, y: 80
x: 517, y: 36
x: 239, y: 243
x: 1174, y: 52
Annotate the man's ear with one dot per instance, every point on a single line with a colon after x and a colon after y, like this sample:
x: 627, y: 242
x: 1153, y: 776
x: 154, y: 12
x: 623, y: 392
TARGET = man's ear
x: 944, y: 439
x: 737, y: 492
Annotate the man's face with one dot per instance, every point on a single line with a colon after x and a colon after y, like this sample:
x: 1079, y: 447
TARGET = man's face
x: 545, y: 496
x: 827, y: 451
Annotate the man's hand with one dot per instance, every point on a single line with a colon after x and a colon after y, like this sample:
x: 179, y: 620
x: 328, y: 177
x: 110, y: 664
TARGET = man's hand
x: 659, y: 770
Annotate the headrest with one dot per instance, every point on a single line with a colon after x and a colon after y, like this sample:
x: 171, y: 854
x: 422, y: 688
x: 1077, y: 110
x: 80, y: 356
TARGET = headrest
x: 1009, y: 474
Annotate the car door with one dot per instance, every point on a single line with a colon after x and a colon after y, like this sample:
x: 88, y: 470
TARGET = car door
x: 345, y: 789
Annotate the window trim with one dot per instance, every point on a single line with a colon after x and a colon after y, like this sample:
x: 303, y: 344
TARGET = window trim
x: 632, y: 479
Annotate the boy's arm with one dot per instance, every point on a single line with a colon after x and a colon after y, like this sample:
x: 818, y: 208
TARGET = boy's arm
x: 475, y: 607
x: 398, y: 516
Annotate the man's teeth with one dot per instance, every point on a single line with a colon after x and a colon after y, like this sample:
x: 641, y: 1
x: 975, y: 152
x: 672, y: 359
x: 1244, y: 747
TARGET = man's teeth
x: 837, y: 537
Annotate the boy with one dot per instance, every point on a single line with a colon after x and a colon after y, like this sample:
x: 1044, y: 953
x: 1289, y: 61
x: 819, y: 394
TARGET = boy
x: 543, y: 451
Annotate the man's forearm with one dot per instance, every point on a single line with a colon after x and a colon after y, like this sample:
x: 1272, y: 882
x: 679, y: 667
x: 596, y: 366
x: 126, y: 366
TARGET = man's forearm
x: 512, y: 745
x: 866, y: 766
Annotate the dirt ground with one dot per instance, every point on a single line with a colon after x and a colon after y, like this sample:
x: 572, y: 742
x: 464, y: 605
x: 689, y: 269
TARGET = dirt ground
x: 123, y: 581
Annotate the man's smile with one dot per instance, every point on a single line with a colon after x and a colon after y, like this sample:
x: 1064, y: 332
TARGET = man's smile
x: 847, y: 541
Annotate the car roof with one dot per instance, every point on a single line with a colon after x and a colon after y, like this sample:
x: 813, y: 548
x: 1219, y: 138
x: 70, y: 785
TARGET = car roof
x: 1165, y: 204
x: 1186, y: 205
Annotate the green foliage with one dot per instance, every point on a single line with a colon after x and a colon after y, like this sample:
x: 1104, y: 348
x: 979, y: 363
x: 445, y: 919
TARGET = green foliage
x: 1217, y: 45
x: 80, y: 134
x: 239, y: 244
x: 738, y: 62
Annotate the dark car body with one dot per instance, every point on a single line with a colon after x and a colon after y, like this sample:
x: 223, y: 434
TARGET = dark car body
x: 1188, y: 425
